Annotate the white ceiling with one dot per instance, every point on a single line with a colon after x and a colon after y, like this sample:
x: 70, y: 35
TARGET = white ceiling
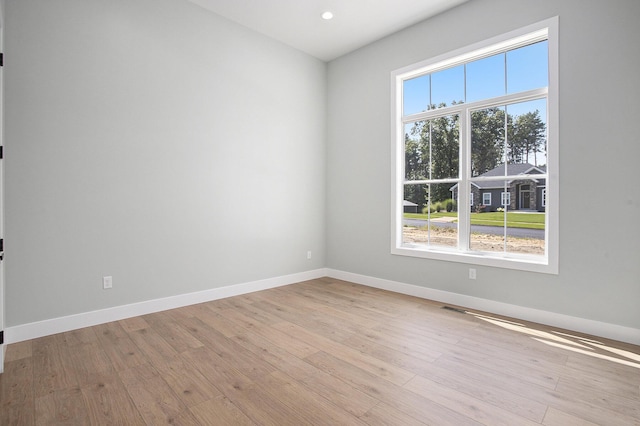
x: 298, y: 23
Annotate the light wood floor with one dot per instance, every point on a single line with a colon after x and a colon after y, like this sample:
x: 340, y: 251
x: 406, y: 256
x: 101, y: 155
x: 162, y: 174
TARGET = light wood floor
x: 323, y: 352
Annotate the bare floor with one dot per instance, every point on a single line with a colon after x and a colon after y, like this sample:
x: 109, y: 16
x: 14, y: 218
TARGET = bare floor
x: 323, y: 352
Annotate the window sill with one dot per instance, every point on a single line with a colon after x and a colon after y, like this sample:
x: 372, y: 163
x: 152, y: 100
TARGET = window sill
x: 519, y: 262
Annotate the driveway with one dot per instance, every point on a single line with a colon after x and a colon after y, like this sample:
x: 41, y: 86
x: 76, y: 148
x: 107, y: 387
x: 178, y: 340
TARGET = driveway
x: 495, y: 230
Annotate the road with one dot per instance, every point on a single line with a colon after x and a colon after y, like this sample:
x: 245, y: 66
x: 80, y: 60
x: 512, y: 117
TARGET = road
x: 495, y: 230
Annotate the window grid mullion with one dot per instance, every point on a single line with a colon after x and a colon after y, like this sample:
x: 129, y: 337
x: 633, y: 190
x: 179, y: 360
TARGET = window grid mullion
x: 464, y: 207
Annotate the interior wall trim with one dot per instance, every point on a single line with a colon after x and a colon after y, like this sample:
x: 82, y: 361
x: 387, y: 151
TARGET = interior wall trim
x: 567, y: 322
x: 48, y: 327
x: 72, y: 322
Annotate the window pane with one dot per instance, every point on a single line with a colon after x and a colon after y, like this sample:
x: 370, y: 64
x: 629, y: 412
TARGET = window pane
x: 517, y: 226
x: 485, y: 78
x: 415, y: 95
x: 416, y: 150
x: 526, y: 135
x: 437, y: 226
x: 415, y: 198
x: 487, y: 141
x: 527, y: 67
x: 445, y: 147
x: 432, y: 148
x: 447, y: 87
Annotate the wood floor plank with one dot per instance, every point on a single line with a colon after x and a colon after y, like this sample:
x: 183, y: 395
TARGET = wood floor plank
x: 220, y: 411
x: 625, y: 408
x: 321, y: 352
x: 18, y: 350
x: 504, y: 380
x: 18, y: 415
x: 335, y: 308
x: 517, y: 341
x: 65, y: 407
x: 91, y: 364
x: 214, y: 320
x: 109, y: 403
x: 524, y: 403
x: 377, y: 340
x: 250, y: 311
x: 325, y: 385
x: 52, y: 366
x: 172, y: 332
x: 17, y: 392
x: 613, y: 370
x: 188, y: 383
x: 80, y: 336
x: 309, y: 319
x: 366, y: 362
x: 119, y: 347
x: 293, y: 345
x: 259, y: 406
x: 133, y: 324
x: 313, y: 408
x: 154, y: 398
x: 386, y: 415
x: 465, y: 404
x: 496, y: 359
x: 157, y: 351
x: 247, y: 363
x: 587, y: 411
x: 558, y: 418
x: 593, y: 380
x: 411, y: 403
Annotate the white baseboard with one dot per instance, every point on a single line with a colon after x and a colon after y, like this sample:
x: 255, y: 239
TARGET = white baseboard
x: 72, y: 322
x: 595, y: 328
x: 86, y: 319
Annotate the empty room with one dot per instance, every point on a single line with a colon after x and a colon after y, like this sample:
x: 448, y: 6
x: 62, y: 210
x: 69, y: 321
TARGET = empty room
x: 319, y: 212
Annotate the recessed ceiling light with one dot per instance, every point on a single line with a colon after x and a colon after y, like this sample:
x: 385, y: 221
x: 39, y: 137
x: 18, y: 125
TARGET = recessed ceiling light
x: 327, y: 15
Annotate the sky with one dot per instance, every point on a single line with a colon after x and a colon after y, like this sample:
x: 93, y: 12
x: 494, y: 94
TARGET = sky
x: 518, y: 70
x: 526, y: 69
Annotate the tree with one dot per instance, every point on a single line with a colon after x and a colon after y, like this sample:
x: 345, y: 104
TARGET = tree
x: 439, y: 149
x: 527, y: 137
x: 487, y: 140
x: 415, y: 165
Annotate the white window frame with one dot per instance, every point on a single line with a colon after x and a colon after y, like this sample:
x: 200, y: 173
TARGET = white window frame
x: 486, y: 201
x: 547, y: 29
x: 544, y: 197
x: 505, y: 198
x: 471, y: 199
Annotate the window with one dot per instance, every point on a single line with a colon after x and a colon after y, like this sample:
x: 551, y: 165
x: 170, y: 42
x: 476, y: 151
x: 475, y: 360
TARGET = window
x: 482, y: 117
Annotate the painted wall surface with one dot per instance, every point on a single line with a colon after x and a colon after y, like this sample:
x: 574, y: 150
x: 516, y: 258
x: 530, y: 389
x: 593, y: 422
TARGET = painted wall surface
x: 155, y: 142
x: 175, y: 151
x: 599, y: 273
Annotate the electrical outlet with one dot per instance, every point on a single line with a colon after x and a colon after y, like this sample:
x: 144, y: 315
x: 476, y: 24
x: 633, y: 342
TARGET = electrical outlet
x: 107, y: 282
x: 472, y: 273
x: 309, y: 254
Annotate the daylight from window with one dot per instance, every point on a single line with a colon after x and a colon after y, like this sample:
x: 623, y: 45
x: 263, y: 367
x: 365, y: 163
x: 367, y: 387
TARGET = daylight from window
x: 473, y: 169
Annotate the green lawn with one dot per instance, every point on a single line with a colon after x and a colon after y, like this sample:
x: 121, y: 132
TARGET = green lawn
x: 514, y: 220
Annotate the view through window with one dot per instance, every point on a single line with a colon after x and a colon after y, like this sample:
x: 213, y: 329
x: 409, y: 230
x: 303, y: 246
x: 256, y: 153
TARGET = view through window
x: 472, y: 155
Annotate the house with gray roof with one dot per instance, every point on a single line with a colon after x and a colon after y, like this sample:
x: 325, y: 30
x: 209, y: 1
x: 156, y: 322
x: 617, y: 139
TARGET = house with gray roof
x: 527, y: 194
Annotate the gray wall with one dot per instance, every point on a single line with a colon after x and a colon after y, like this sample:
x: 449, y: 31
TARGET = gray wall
x: 155, y: 142
x: 599, y: 275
